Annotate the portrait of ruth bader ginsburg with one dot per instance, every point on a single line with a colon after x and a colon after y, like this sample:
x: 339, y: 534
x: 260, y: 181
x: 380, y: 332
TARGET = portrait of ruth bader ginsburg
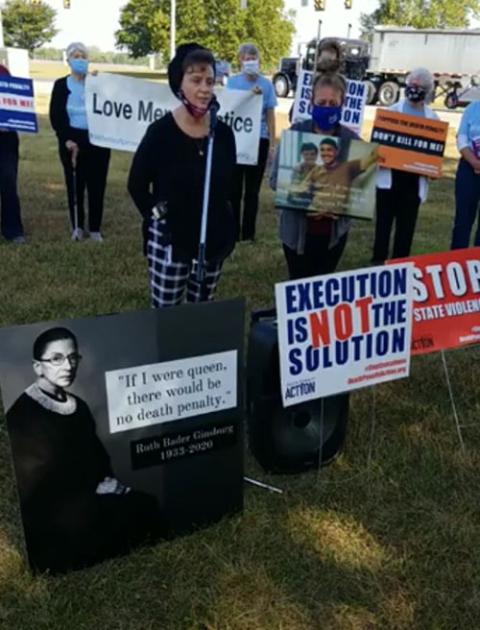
x: 75, y: 511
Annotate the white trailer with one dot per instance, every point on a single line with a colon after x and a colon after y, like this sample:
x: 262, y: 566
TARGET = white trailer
x: 451, y: 55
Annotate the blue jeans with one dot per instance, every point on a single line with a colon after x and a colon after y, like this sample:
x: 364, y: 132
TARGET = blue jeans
x: 11, y: 222
x: 467, y: 198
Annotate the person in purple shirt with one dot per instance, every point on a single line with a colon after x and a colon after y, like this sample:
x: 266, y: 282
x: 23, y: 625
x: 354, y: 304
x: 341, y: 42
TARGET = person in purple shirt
x: 248, y: 178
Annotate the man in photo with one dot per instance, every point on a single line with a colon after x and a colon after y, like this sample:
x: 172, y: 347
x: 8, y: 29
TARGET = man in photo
x: 330, y: 183
x: 75, y: 511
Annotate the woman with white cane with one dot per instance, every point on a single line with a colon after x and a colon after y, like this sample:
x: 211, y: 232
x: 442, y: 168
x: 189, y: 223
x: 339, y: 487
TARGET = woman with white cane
x: 183, y: 171
x: 85, y: 165
x: 75, y: 232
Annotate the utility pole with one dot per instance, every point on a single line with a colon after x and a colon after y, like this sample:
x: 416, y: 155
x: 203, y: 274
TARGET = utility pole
x: 173, y: 12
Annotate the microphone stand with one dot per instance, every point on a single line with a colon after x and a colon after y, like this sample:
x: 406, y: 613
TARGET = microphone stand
x: 214, y: 107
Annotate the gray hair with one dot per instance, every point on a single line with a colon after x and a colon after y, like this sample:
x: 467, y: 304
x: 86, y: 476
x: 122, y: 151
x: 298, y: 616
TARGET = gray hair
x: 425, y: 78
x: 248, y: 49
x: 74, y: 47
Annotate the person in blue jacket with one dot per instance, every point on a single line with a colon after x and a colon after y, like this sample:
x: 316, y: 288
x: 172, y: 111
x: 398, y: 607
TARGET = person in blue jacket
x: 467, y: 181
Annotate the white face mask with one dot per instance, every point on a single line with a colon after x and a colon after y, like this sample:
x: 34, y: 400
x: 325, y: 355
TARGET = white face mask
x: 251, y: 67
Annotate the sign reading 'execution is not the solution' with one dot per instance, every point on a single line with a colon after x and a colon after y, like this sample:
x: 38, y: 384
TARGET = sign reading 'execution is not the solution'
x: 344, y: 331
x: 353, y: 107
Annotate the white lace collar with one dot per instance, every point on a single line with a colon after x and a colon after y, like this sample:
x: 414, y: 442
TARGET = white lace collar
x: 65, y: 408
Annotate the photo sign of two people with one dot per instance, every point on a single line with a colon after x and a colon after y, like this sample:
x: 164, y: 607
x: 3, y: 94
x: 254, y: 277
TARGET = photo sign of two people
x: 326, y: 176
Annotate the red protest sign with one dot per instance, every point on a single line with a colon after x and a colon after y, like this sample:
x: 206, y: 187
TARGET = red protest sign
x: 446, y: 300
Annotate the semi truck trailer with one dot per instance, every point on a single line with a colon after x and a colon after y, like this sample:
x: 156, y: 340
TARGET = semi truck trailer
x: 451, y: 55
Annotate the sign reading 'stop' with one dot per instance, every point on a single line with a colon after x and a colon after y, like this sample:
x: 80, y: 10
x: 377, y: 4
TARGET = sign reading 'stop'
x: 446, y: 300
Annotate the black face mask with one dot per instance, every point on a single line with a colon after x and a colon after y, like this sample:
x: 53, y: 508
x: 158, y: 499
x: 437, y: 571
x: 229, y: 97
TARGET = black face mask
x: 415, y: 94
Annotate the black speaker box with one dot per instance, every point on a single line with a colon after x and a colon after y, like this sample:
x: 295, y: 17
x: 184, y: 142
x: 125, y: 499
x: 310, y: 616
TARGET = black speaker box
x: 294, y: 438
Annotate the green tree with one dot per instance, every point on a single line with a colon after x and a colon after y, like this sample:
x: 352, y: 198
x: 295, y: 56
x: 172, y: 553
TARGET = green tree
x: 144, y: 27
x: 421, y: 14
x: 220, y: 25
x: 269, y: 28
x: 27, y: 25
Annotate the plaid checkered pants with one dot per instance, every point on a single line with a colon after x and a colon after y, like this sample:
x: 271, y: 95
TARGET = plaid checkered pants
x: 170, y: 279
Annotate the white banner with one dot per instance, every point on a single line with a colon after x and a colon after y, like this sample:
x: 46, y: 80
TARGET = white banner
x: 153, y: 394
x: 353, y: 108
x: 344, y: 331
x: 119, y: 110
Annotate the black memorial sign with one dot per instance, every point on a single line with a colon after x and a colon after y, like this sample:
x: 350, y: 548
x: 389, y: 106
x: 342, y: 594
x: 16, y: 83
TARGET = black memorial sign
x: 123, y: 428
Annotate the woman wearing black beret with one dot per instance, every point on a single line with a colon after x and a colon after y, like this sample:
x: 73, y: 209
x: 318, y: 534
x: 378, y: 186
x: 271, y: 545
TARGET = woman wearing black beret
x: 166, y: 183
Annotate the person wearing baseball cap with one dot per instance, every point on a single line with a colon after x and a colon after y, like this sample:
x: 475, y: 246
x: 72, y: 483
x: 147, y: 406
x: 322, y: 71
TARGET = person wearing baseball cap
x: 167, y: 179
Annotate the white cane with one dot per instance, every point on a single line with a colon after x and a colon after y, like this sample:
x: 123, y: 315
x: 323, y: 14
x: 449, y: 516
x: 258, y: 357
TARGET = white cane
x: 214, y: 107
x: 74, y: 192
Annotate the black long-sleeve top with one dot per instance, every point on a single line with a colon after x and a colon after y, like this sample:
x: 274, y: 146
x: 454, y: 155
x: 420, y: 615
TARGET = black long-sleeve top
x: 169, y: 166
x: 57, y: 457
x: 59, y: 118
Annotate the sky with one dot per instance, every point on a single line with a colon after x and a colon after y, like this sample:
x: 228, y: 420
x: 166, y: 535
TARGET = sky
x: 95, y: 21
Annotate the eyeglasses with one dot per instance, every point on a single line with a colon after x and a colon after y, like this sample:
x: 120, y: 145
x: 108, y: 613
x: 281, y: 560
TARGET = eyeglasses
x: 59, y: 359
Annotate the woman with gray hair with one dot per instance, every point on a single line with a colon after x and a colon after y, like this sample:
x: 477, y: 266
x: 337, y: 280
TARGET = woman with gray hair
x: 399, y: 194
x: 85, y: 165
x: 248, y: 178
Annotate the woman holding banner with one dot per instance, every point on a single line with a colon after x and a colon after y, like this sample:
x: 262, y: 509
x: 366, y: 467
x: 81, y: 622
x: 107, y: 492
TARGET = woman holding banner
x: 85, y: 165
x: 399, y: 194
x: 167, y: 181
x: 313, y: 244
x: 248, y: 178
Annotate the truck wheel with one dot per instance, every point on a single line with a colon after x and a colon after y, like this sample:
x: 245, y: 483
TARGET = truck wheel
x: 451, y: 100
x: 388, y: 93
x: 371, y: 92
x: 281, y: 85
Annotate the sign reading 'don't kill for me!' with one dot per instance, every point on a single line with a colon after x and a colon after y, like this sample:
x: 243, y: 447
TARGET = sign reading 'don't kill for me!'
x: 446, y: 300
x: 343, y: 331
x: 410, y: 143
x: 123, y: 428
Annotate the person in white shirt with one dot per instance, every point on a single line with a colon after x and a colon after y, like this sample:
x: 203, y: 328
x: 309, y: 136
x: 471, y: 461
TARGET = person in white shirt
x: 399, y: 193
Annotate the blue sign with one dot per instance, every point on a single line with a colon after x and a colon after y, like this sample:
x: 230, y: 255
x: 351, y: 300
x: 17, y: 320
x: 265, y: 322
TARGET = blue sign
x: 17, y: 105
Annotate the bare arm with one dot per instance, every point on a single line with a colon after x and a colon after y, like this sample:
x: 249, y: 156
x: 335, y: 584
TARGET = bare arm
x: 369, y: 160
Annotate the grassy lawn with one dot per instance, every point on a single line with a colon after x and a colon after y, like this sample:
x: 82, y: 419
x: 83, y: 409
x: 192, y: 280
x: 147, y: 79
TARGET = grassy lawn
x: 392, y: 545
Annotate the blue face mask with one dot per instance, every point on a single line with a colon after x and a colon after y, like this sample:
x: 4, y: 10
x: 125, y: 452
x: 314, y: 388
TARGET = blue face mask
x: 79, y: 66
x: 326, y: 118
